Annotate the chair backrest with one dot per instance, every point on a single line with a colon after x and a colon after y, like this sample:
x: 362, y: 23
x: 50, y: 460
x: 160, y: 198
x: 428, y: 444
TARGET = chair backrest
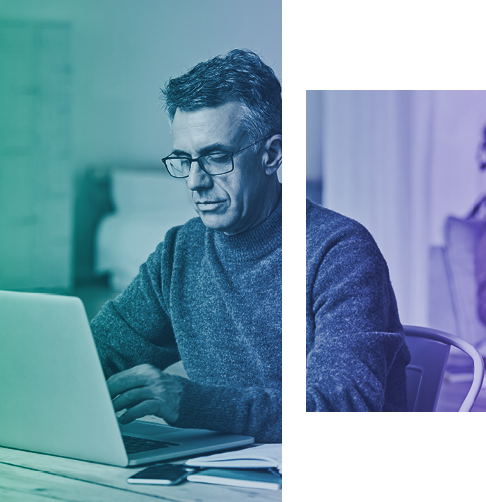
x: 429, y: 349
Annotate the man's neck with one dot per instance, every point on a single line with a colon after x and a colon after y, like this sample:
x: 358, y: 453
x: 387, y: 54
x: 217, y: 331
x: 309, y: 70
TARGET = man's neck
x: 271, y: 199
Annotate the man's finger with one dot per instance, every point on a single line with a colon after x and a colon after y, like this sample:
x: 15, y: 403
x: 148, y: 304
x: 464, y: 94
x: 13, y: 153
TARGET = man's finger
x: 148, y: 407
x: 132, y: 397
x: 138, y: 376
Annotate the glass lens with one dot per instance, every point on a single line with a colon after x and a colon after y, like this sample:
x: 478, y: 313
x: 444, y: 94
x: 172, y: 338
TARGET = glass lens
x: 178, y: 167
x: 217, y: 163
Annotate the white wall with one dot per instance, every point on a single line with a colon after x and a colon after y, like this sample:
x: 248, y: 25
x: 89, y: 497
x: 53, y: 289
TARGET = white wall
x: 314, y: 145
x: 124, y: 50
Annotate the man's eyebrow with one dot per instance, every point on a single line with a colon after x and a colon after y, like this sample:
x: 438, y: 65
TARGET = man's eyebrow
x: 179, y: 153
x: 204, y: 151
x: 214, y: 148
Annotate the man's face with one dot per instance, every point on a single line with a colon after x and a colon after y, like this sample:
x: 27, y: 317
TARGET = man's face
x: 232, y: 202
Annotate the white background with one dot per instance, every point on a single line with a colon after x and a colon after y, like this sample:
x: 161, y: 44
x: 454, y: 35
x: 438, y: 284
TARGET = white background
x: 369, y: 45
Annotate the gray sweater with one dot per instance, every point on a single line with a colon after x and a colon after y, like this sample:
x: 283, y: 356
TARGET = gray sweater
x: 213, y: 301
x: 356, y: 353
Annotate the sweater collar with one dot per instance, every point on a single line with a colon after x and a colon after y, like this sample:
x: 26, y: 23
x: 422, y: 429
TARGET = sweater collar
x: 256, y: 242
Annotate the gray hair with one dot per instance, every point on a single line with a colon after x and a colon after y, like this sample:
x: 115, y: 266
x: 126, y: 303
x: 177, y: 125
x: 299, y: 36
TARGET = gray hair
x: 240, y: 75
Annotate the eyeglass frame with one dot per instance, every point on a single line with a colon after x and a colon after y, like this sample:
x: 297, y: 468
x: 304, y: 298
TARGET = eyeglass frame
x: 191, y: 160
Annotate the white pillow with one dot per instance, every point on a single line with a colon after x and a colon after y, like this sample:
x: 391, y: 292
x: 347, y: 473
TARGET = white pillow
x: 147, y: 204
x: 148, y: 191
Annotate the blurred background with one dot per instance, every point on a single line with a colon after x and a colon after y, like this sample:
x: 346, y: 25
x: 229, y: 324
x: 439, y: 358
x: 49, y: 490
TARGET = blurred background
x: 84, y: 198
x: 407, y: 165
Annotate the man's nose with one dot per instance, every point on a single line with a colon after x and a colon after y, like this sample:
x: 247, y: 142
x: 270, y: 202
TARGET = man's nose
x: 198, y: 178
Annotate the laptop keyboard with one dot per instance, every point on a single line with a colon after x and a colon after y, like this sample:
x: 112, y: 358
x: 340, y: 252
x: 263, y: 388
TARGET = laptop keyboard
x: 136, y: 445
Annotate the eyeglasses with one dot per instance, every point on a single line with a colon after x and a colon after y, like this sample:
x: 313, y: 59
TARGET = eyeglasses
x: 213, y: 165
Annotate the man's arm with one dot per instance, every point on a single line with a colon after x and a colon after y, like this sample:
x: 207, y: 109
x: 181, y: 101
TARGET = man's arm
x: 135, y: 330
x: 144, y: 390
x: 252, y: 411
x: 356, y: 353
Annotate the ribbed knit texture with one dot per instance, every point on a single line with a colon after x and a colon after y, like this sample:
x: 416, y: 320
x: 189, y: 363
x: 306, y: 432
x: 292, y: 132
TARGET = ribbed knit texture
x: 356, y: 353
x: 213, y: 301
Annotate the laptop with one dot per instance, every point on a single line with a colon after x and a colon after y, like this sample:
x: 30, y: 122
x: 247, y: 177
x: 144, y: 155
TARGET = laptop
x: 54, y: 398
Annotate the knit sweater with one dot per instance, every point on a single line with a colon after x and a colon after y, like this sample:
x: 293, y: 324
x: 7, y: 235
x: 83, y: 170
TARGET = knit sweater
x: 356, y: 352
x: 214, y: 302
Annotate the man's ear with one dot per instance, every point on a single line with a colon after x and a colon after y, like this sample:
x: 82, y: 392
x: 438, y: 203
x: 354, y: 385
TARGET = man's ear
x: 272, y: 155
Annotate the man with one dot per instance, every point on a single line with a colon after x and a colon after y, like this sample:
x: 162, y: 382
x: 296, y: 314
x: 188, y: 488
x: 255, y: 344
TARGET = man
x: 356, y: 351
x: 210, y: 294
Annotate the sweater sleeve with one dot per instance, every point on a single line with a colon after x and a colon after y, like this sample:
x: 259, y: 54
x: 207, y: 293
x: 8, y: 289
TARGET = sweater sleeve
x: 135, y: 327
x: 356, y: 353
x: 253, y: 411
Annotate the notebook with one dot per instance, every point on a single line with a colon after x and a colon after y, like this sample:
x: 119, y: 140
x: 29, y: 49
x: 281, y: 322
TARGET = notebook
x: 265, y: 456
x: 54, y: 397
x: 256, y: 478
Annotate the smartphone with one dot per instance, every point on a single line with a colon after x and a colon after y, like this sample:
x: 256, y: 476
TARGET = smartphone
x: 164, y: 474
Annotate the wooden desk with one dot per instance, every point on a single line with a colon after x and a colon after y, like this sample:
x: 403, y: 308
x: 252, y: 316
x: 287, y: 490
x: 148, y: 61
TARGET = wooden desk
x: 33, y: 477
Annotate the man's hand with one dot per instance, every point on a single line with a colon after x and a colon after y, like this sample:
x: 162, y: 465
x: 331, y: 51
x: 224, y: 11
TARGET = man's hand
x: 145, y: 390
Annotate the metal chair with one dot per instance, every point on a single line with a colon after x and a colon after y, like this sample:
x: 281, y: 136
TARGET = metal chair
x: 429, y: 349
